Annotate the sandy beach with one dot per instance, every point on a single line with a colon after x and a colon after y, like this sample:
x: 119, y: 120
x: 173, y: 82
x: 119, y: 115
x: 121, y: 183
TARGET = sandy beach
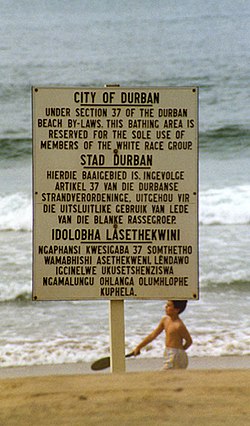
x: 71, y: 394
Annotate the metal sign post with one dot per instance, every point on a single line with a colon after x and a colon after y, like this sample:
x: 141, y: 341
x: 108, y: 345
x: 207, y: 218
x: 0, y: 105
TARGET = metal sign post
x: 117, y: 335
x: 117, y: 330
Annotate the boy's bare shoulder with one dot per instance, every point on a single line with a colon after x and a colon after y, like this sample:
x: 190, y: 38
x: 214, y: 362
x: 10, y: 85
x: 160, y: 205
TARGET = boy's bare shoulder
x: 178, y: 323
x: 181, y: 327
x: 165, y: 320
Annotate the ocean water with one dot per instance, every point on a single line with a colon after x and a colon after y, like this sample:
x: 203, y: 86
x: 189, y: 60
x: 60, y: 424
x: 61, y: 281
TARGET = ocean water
x: 133, y: 43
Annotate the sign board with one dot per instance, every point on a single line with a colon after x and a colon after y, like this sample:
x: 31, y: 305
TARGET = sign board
x: 115, y: 190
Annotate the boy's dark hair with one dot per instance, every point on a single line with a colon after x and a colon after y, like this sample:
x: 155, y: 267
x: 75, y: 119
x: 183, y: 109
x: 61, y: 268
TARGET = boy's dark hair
x: 180, y: 304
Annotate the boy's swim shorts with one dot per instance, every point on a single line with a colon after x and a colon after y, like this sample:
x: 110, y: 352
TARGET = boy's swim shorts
x: 175, y: 358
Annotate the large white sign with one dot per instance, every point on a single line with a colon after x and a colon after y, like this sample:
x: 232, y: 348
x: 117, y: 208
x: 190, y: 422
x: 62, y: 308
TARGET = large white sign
x: 115, y: 190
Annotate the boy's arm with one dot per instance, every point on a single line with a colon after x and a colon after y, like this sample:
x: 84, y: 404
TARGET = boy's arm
x: 150, y: 337
x: 186, y: 336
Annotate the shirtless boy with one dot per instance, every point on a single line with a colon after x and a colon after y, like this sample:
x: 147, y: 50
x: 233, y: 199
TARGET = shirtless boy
x: 177, y: 340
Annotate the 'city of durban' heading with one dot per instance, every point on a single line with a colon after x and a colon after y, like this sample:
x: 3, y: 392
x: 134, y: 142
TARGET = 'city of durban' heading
x: 125, y: 97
